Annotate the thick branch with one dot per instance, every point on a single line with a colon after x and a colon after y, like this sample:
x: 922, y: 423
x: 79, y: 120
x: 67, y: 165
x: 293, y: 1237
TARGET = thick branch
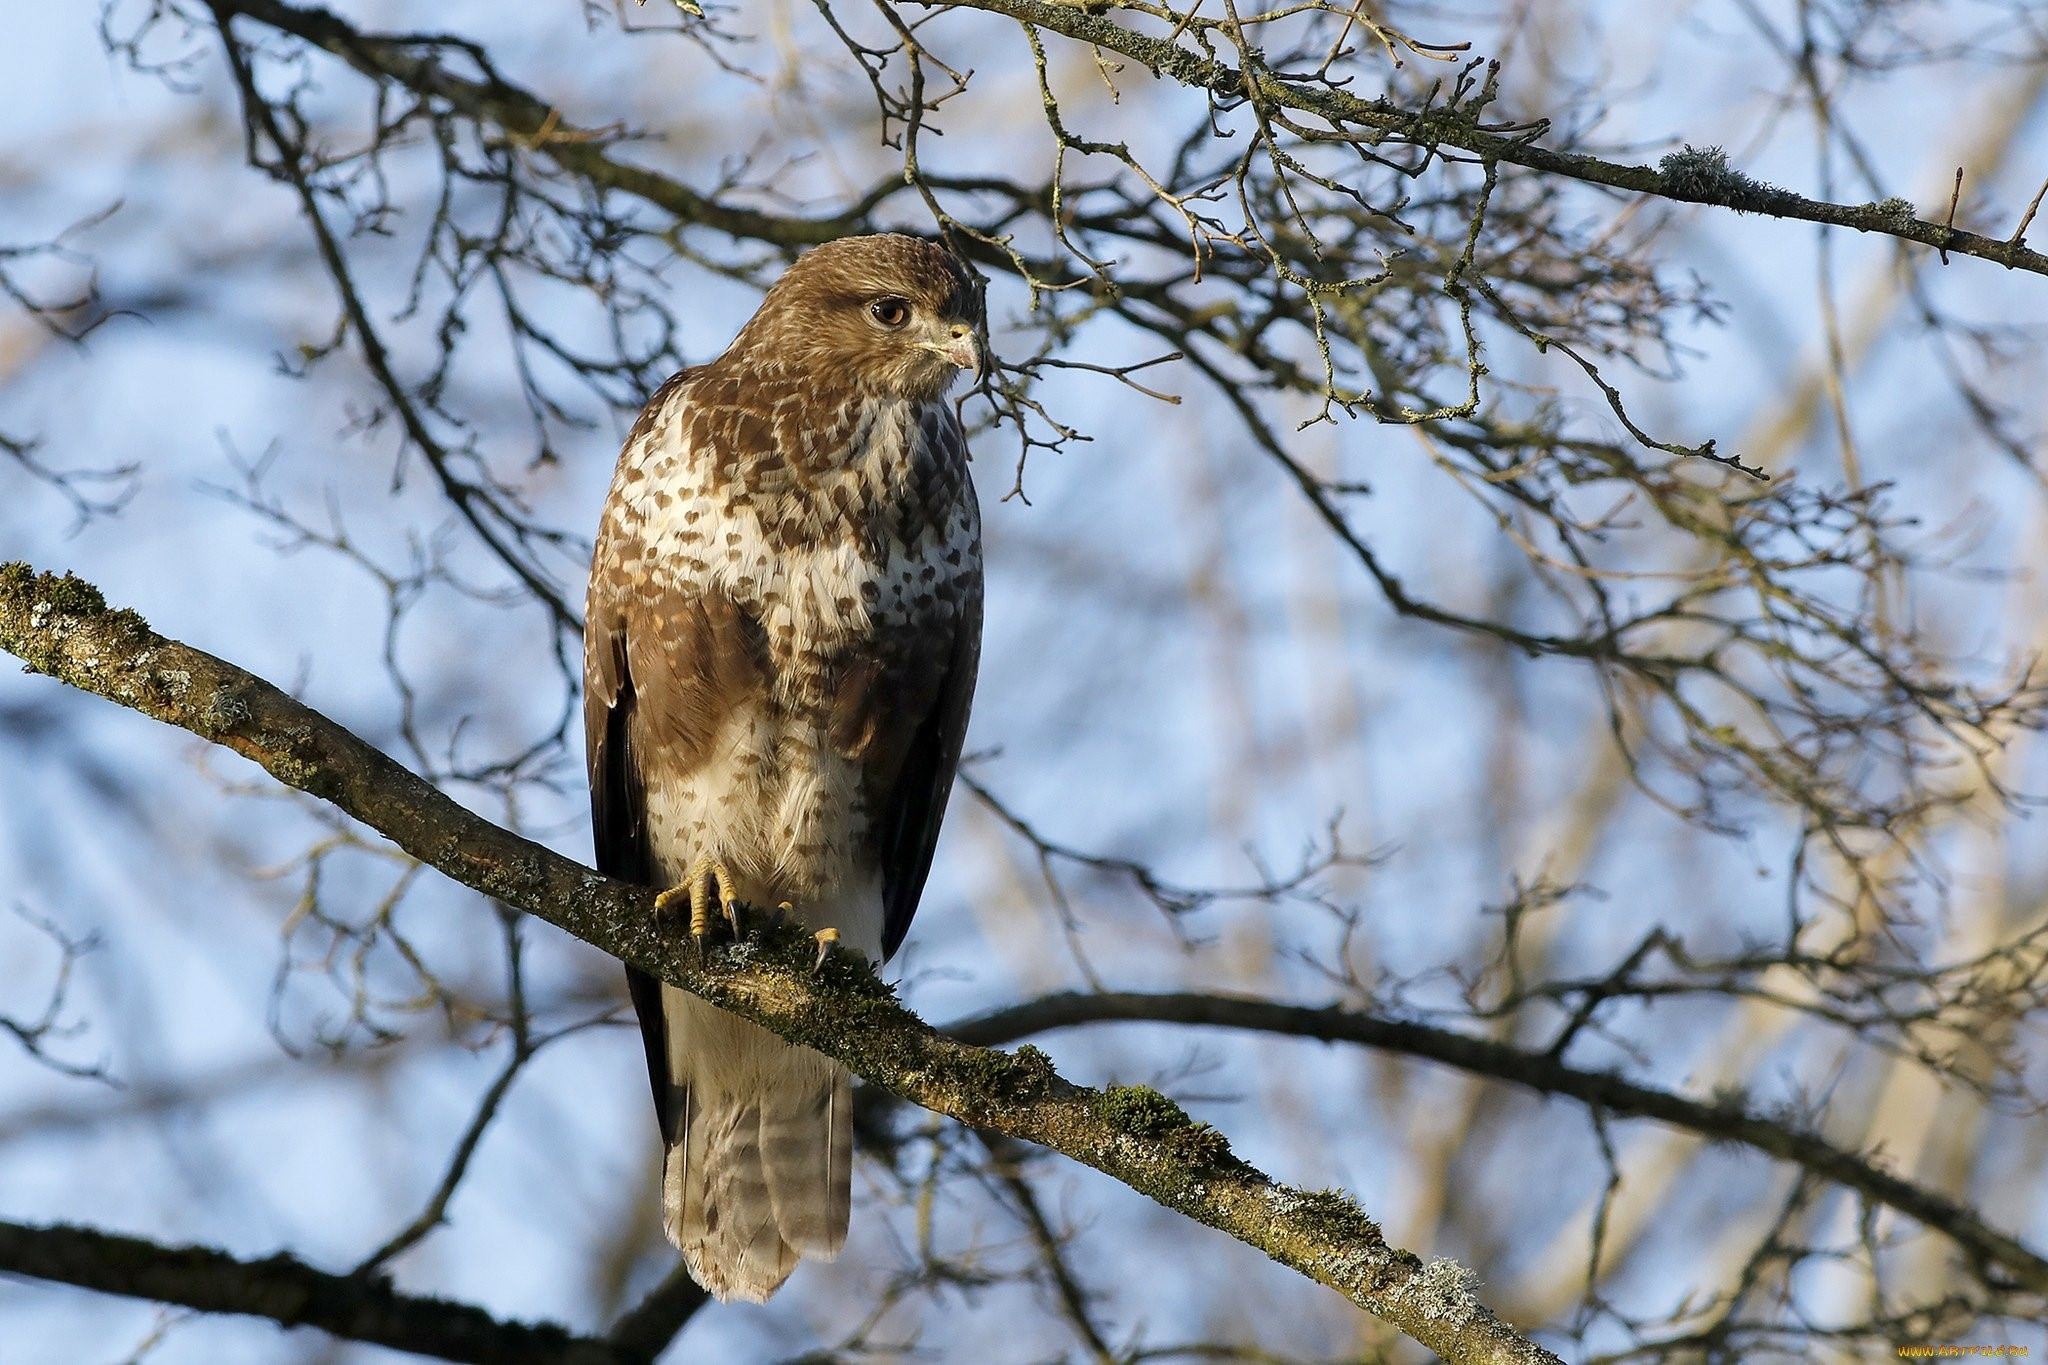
x: 1727, y: 1122
x: 62, y: 627
x: 292, y: 1293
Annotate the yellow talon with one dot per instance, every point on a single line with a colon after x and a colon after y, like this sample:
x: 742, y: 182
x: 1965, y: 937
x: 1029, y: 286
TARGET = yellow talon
x: 707, y: 888
x: 826, y: 938
x: 665, y: 900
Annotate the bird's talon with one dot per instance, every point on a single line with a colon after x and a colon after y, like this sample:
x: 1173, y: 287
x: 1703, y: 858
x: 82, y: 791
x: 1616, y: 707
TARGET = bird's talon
x: 700, y: 910
x: 708, y: 890
x: 665, y: 901
x: 826, y: 938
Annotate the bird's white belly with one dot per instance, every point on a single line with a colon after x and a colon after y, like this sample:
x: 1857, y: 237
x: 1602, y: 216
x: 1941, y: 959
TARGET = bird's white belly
x: 774, y: 800
x: 805, y: 844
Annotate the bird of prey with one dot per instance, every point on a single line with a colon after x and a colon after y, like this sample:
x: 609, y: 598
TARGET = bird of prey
x: 783, y: 626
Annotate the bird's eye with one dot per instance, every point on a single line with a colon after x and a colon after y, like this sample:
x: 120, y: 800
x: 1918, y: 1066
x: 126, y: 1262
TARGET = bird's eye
x: 890, y: 311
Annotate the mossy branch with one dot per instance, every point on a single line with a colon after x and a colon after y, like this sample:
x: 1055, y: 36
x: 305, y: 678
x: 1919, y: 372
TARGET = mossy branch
x: 63, y: 627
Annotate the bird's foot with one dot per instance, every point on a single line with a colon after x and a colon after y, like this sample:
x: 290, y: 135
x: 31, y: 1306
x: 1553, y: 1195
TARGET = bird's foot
x: 826, y: 938
x: 708, y: 891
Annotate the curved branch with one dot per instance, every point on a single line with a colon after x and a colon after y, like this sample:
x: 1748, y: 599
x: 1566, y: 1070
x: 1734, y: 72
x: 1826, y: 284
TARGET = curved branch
x: 63, y: 627
x: 293, y: 1294
x: 1546, y: 1074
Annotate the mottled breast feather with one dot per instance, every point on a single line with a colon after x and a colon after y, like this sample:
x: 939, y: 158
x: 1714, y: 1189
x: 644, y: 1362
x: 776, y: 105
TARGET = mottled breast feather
x: 799, y: 561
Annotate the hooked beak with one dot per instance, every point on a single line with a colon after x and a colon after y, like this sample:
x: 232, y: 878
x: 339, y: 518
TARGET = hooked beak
x: 961, y: 350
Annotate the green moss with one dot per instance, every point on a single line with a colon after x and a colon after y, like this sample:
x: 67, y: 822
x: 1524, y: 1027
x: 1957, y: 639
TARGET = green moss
x: 127, y: 619
x: 1026, y: 1074
x: 1896, y: 212
x: 69, y: 596
x: 1140, y: 1111
x: 1336, y: 1215
x: 845, y: 970
x: 777, y: 941
x: 15, y: 577
x: 1200, y: 1144
x: 1030, y: 1073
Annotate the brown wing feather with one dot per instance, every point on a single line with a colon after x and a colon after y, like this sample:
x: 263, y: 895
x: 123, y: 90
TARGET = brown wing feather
x: 907, y: 824
x: 618, y: 792
x: 618, y: 823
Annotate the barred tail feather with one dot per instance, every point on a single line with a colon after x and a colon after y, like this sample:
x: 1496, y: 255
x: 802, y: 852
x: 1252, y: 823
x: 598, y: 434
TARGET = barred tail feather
x: 759, y: 1169
x: 807, y: 1157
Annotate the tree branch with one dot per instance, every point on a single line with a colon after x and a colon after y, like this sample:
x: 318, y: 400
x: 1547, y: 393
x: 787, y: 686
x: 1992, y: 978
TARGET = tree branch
x: 294, y: 1294
x: 63, y: 627
x: 415, y: 61
x: 1727, y: 1121
x: 651, y: 1324
x: 1694, y: 176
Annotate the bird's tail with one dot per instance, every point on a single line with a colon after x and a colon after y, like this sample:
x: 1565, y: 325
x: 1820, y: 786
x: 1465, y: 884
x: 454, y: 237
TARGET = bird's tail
x: 759, y: 1171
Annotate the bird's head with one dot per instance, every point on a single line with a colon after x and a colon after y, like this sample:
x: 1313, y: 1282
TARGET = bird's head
x: 893, y: 315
